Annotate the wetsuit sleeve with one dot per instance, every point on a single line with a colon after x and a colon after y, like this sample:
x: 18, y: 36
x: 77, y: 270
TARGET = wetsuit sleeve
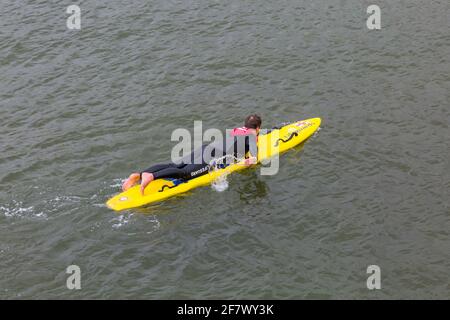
x: 253, y: 147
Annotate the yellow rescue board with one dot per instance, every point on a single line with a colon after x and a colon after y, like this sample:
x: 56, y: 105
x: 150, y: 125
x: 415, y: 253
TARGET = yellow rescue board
x: 270, y: 144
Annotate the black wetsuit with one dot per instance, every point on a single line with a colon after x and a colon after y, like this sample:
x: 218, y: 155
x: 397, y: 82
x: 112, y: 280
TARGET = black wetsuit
x: 187, y: 168
x: 195, y: 164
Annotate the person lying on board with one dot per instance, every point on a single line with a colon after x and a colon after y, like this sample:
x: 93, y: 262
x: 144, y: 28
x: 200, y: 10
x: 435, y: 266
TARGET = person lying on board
x: 194, y: 165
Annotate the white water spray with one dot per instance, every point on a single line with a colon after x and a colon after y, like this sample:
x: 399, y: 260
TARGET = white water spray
x: 220, y: 184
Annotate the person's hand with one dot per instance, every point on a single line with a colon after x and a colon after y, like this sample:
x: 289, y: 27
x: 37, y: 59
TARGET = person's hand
x: 250, y: 161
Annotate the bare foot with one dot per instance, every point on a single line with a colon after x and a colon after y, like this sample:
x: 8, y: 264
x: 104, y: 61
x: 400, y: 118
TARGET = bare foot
x: 146, y: 179
x: 131, y: 181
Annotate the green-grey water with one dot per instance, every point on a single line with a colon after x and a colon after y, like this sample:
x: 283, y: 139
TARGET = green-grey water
x: 81, y: 109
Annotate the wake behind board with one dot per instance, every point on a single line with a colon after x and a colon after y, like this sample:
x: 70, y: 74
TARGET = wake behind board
x: 275, y: 142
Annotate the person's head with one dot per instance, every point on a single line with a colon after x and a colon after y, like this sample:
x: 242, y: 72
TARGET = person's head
x: 253, y: 121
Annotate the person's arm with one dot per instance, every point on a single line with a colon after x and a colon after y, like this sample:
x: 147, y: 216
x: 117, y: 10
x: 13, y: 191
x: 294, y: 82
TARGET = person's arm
x: 253, y: 150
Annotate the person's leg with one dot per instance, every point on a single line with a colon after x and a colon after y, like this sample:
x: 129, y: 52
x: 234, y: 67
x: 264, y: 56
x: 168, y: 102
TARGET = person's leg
x: 200, y: 161
x: 178, y: 171
x: 192, y: 171
x: 159, y: 167
x: 189, y: 171
x: 148, y: 175
x: 173, y: 171
x: 135, y: 177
